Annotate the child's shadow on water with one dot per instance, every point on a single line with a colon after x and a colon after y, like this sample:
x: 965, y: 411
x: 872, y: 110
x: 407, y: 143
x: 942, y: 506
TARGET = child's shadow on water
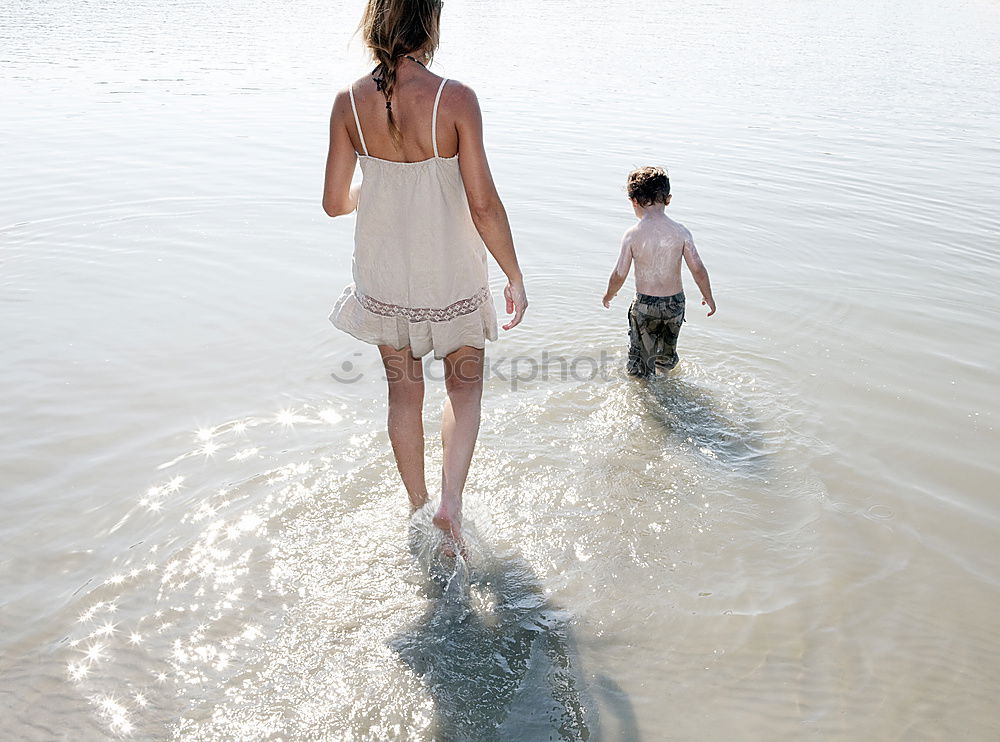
x: 723, y: 431
x: 497, y: 657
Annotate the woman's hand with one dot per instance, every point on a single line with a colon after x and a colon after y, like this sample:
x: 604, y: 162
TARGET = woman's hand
x: 517, y: 302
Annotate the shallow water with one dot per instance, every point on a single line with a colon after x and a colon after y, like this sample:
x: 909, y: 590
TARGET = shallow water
x: 791, y: 537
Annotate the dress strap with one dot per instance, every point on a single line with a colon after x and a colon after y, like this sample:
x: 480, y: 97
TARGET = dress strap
x: 434, y: 118
x: 357, y: 121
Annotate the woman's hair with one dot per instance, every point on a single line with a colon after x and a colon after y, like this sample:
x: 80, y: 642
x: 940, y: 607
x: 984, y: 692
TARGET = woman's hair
x: 648, y: 185
x: 393, y: 28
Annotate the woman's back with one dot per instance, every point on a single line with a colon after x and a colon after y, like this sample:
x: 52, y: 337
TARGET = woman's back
x: 413, y: 101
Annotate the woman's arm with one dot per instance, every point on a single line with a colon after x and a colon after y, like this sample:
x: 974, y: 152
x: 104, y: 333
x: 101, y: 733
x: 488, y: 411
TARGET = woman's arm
x: 338, y: 196
x: 488, y: 213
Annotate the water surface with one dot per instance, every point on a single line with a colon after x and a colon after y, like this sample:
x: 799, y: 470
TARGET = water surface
x: 791, y: 537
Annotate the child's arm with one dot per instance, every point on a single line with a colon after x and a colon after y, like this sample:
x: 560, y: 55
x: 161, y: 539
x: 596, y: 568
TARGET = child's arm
x: 700, y: 274
x: 620, y: 272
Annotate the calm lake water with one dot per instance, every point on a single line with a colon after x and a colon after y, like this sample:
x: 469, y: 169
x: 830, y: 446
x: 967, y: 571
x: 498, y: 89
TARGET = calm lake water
x: 794, y: 536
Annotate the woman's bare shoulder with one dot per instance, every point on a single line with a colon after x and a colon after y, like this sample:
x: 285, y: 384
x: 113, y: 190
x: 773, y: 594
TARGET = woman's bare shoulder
x: 460, y: 98
x: 342, y: 97
x: 361, y: 87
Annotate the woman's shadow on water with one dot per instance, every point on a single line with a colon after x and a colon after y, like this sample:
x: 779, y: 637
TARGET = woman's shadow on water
x: 497, y: 657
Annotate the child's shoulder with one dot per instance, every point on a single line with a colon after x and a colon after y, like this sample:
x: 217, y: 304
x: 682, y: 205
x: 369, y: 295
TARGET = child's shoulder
x: 679, y: 228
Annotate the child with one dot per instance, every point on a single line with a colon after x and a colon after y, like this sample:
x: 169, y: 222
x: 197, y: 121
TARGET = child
x: 656, y: 244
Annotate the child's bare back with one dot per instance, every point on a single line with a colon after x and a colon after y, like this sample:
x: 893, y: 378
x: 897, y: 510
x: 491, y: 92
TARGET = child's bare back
x: 656, y: 244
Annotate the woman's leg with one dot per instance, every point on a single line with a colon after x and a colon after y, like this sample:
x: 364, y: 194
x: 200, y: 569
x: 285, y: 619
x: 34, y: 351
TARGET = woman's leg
x: 463, y: 378
x: 405, y: 375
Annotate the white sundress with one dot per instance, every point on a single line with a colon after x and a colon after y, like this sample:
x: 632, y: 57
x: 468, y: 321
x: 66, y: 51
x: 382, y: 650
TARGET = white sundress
x: 419, y: 267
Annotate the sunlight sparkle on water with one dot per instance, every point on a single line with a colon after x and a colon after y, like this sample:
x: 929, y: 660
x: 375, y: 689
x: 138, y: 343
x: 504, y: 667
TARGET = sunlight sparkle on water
x: 330, y: 415
x: 95, y: 652
x: 78, y: 670
x: 288, y: 418
x: 210, y: 448
x: 106, y: 629
x: 247, y: 522
x: 115, y: 713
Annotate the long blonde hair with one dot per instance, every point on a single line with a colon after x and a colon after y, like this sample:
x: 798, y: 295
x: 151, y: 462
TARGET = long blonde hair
x: 392, y: 28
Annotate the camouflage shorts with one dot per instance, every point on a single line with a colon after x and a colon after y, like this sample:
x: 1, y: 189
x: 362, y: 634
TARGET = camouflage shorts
x: 654, y: 322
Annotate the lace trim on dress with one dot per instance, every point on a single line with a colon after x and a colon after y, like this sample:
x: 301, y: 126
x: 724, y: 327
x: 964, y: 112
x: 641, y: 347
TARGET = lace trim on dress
x: 424, y: 314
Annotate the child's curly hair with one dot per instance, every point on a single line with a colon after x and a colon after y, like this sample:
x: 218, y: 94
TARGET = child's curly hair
x: 648, y: 185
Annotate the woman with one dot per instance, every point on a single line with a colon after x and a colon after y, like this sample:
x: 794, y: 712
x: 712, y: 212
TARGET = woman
x: 427, y: 211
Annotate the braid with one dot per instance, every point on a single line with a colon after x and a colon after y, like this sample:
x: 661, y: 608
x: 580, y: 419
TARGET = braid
x: 385, y: 81
x: 393, y: 28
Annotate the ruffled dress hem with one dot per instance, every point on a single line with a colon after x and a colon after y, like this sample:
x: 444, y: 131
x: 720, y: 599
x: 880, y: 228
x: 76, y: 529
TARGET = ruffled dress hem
x: 423, y: 336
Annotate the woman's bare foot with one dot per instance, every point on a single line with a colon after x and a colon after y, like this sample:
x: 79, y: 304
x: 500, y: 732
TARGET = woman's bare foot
x: 415, y: 504
x: 454, y: 544
x: 449, y: 520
